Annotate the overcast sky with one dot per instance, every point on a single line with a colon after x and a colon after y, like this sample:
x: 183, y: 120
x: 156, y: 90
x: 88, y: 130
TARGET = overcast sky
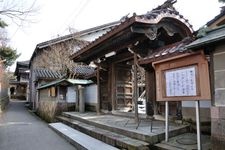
x: 55, y: 17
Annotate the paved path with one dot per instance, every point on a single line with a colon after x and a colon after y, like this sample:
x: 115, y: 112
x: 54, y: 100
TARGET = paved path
x: 21, y: 130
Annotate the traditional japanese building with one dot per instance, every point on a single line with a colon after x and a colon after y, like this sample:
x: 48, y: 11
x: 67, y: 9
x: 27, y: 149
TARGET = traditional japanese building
x: 19, y: 88
x: 124, y: 58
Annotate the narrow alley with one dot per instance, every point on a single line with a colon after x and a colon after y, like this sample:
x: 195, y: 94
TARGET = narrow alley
x: 21, y: 130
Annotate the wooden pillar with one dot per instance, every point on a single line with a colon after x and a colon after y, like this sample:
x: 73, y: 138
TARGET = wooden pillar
x: 98, y: 90
x: 113, y: 87
x: 81, y: 99
x: 150, y: 82
x: 135, y: 89
x: 77, y: 98
x: 58, y: 91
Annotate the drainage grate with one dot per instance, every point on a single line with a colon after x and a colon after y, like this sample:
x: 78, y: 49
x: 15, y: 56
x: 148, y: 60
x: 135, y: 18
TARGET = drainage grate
x: 186, y: 141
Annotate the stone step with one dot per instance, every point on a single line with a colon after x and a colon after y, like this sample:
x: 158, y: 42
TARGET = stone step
x: 150, y: 138
x: 112, y: 138
x: 79, y: 140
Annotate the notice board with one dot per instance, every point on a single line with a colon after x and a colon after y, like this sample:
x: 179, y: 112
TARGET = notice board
x: 183, y: 78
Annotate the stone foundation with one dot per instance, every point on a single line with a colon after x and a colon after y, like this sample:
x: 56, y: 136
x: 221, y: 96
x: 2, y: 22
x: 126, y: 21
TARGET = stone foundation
x: 218, y: 128
x: 189, y: 113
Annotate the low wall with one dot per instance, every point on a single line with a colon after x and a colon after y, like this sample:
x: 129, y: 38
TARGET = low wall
x: 90, y: 107
x: 3, y: 103
x: 47, y: 110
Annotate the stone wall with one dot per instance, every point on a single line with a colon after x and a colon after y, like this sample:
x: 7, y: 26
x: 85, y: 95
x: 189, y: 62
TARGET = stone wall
x: 218, y: 110
x: 218, y: 127
x: 48, y: 109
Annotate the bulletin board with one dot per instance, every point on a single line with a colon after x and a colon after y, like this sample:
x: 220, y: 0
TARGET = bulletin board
x: 184, y: 77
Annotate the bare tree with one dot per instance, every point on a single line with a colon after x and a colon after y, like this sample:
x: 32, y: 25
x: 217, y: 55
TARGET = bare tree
x: 56, y: 56
x: 17, y: 11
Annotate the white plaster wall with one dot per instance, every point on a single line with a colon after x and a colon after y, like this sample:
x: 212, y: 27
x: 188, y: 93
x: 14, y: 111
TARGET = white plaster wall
x: 71, y: 94
x: 90, y: 94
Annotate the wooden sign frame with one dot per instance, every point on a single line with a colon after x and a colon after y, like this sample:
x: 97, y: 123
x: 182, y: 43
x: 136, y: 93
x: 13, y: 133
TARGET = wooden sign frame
x: 184, y: 65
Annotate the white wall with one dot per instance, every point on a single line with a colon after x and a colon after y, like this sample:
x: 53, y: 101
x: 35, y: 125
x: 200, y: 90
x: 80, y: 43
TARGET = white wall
x: 71, y: 94
x: 203, y: 104
x: 90, y: 94
x: 93, y: 36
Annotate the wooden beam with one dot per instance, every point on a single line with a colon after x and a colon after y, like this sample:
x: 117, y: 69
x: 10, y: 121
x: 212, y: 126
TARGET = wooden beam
x: 121, y: 57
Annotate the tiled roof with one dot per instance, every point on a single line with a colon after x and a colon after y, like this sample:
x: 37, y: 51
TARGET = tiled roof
x: 210, y: 36
x: 69, y: 81
x: 166, y: 11
x: 47, y: 74
x: 76, y: 36
x: 21, y: 67
x: 167, y: 51
x: 81, y: 71
x: 24, y: 63
x: 222, y: 13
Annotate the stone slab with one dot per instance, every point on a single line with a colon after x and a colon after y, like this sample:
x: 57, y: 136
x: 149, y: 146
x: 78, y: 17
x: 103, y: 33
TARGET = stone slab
x: 128, y: 127
x: 112, y: 138
x: 78, y: 139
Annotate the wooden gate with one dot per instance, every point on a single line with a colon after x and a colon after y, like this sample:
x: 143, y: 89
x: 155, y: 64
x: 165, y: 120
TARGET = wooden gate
x: 123, y: 88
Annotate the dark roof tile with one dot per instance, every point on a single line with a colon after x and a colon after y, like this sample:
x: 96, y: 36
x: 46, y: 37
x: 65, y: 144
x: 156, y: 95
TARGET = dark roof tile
x: 82, y: 71
x: 167, y: 51
x: 47, y: 74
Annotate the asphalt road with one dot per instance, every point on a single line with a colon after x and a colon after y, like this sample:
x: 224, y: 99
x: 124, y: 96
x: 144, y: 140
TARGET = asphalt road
x: 22, y: 130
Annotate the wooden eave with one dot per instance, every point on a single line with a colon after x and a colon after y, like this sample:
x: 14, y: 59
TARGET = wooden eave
x: 153, y: 18
x: 116, y: 30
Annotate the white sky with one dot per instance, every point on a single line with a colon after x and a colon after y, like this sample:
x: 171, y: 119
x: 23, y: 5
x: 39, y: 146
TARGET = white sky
x: 56, y: 16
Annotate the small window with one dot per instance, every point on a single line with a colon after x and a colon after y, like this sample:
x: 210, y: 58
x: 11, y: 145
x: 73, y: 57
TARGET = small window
x: 52, y: 92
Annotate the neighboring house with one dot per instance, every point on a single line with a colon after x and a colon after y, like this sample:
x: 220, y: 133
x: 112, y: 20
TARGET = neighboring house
x: 217, y: 20
x: 54, y: 54
x: 212, y: 40
x: 58, y: 96
x: 19, y: 88
x: 42, y: 76
x: 125, y: 55
x: 4, y: 97
x: 62, y: 94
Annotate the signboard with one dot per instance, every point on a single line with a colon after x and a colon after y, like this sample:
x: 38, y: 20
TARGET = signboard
x: 183, y: 78
x: 181, y: 82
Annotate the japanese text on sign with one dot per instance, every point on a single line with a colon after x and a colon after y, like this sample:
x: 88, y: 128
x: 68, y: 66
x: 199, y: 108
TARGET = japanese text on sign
x: 181, y: 82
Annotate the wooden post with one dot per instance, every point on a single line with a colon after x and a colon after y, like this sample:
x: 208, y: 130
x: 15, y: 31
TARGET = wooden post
x: 98, y: 90
x: 150, y: 92
x: 167, y: 121
x: 81, y: 99
x: 77, y: 98
x: 135, y: 90
x: 199, y: 144
x: 113, y: 87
